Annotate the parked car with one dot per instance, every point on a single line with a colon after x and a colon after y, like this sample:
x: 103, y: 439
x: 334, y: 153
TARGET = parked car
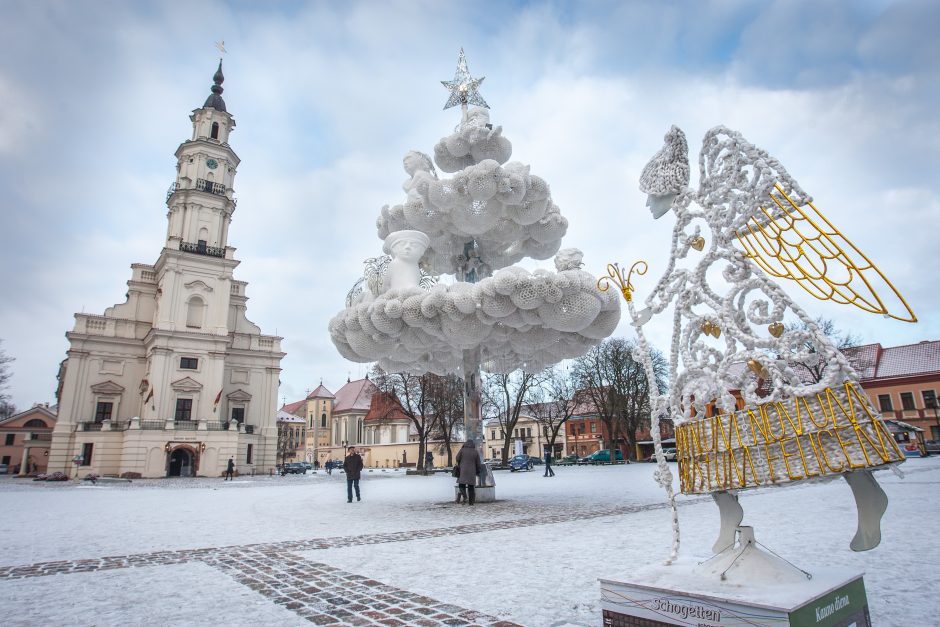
x: 933, y: 447
x: 4, y: 469
x: 536, y: 460
x: 601, y: 457
x: 295, y: 468
x: 568, y: 460
x: 520, y: 462
x: 493, y: 463
x: 669, y: 454
x: 307, y: 465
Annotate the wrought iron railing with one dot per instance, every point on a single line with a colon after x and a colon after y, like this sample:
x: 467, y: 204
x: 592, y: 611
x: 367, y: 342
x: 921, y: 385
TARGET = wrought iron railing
x: 203, y: 185
x: 249, y: 429
x: 153, y: 425
x: 41, y: 437
x: 202, y: 249
x: 184, y: 425
x: 217, y: 426
x: 170, y: 191
x: 91, y: 426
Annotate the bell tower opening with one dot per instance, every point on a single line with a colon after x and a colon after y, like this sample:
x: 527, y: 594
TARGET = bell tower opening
x: 214, y: 132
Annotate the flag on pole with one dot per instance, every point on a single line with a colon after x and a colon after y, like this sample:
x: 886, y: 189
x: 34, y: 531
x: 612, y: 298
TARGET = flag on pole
x: 218, y: 398
x: 150, y: 396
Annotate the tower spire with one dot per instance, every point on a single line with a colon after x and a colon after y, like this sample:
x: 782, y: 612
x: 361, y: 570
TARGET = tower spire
x: 214, y: 101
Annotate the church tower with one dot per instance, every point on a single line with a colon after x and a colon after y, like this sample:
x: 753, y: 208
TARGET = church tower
x: 201, y: 199
x: 176, y: 380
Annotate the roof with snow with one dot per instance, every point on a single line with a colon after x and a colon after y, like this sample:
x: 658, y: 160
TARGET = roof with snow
x: 283, y: 416
x: 355, y: 396
x: 293, y: 408
x: 385, y: 407
x: 321, y: 392
x: 873, y: 361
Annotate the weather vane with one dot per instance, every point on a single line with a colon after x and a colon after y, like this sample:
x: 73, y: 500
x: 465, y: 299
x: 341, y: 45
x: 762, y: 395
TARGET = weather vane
x: 463, y: 89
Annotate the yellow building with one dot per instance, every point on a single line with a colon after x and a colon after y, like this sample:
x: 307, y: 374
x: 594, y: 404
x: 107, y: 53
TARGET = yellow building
x: 529, y: 437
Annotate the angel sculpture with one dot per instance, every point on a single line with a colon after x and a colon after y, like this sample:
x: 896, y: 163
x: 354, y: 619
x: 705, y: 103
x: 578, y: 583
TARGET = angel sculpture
x: 745, y: 414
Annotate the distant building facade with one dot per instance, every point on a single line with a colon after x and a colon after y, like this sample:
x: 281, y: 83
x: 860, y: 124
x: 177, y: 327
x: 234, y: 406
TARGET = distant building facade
x: 25, y: 438
x: 175, y: 380
x: 902, y: 382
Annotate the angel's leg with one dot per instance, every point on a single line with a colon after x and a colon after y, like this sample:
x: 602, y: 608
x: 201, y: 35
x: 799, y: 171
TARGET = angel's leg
x: 731, y: 517
x: 871, y: 503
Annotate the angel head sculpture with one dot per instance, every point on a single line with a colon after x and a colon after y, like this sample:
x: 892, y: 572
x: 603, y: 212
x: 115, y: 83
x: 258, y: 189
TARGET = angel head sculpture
x: 406, y: 248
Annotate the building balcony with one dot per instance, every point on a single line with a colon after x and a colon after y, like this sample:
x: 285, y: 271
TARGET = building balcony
x: 203, y: 185
x: 200, y: 248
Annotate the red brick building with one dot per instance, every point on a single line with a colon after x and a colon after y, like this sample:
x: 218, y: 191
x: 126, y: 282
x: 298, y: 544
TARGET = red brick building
x: 902, y: 381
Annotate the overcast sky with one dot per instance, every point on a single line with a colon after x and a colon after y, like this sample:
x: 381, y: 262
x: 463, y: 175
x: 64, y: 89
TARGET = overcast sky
x: 95, y: 97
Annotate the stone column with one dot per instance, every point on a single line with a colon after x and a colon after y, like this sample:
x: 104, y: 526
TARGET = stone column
x: 23, y: 468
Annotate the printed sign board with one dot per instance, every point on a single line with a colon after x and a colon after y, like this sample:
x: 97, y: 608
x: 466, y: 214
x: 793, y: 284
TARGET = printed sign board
x: 632, y: 605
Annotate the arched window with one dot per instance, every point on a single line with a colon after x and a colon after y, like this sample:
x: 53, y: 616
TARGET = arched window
x: 195, y: 312
x: 323, y: 421
x: 35, y: 423
x: 214, y: 133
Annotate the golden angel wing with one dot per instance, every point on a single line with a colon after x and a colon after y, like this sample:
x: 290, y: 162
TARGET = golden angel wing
x: 808, y: 249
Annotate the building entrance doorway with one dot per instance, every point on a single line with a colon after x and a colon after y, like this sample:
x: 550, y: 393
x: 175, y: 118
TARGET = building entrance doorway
x: 181, y: 463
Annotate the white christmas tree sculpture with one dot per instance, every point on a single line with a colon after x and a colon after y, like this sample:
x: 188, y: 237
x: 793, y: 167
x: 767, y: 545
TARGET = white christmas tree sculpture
x: 473, y: 225
x: 746, y: 413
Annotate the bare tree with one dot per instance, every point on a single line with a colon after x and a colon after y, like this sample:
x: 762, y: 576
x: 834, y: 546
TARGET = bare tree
x: 446, y: 409
x: 286, y: 445
x: 7, y: 408
x: 617, y: 386
x: 412, y: 399
x: 504, y: 396
x: 553, y: 402
x: 813, y: 371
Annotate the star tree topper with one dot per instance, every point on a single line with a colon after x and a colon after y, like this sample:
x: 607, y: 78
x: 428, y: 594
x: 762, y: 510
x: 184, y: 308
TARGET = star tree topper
x: 463, y: 89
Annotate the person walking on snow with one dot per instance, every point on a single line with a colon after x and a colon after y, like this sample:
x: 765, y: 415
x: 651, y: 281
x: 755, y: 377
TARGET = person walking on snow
x: 229, y: 470
x: 548, y: 464
x: 468, y: 461
x: 353, y: 467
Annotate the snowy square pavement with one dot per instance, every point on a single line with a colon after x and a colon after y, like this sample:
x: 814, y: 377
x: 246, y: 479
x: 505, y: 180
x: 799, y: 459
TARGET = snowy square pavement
x: 291, y: 551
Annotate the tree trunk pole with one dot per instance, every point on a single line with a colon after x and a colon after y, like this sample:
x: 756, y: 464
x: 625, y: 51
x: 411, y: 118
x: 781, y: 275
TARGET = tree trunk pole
x: 473, y: 410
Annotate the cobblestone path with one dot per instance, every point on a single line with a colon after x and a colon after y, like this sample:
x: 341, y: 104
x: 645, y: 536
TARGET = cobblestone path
x: 319, y: 593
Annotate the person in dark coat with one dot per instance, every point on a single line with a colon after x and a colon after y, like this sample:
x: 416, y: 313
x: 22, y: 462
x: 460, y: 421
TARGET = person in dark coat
x: 230, y: 469
x: 353, y: 467
x: 469, y: 464
x: 548, y: 464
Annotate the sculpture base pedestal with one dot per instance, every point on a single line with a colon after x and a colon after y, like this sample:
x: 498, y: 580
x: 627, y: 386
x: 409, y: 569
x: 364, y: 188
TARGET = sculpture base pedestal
x: 679, y: 595
x: 481, y: 495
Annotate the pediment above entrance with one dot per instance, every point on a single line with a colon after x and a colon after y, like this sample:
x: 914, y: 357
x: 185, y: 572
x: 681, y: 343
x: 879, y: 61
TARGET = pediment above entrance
x: 239, y: 396
x: 107, y: 387
x: 186, y: 384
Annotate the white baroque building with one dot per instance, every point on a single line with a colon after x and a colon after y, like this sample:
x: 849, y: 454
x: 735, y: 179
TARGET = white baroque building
x: 176, y: 380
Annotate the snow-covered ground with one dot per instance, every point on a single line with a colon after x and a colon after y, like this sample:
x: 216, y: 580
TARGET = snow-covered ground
x: 542, y: 571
